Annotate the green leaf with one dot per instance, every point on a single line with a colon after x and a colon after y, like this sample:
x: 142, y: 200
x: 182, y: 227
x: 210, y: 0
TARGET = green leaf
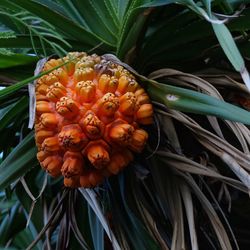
x: 7, y: 61
x: 6, y: 205
x: 7, y: 35
x: 53, y: 5
x: 157, y: 3
x: 178, y: 31
x: 62, y: 23
x: 231, y: 50
x: 132, y: 35
x: 113, y: 11
x: 18, y: 162
x: 6, y: 92
x: 24, y: 238
x: 71, y: 11
x: 14, y: 112
x: 197, y: 9
x: 24, y: 41
x: 130, y: 18
x: 12, y: 223
x: 8, y: 248
x: 190, y: 101
x: 98, y: 19
x: 228, y: 45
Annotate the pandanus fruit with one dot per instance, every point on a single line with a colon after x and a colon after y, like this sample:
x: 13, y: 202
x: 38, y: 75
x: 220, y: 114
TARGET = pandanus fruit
x: 88, y: 117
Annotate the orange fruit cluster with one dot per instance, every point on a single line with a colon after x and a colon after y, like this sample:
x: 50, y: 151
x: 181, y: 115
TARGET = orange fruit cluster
x: 88, y: 113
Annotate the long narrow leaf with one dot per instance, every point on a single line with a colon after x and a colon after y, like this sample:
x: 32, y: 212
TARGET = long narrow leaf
x: 231, y: 50
x: 59, y: 21
x: 13, y: 113
x: 18, y: 162
x: 7, y: 61
x: 195, y: 102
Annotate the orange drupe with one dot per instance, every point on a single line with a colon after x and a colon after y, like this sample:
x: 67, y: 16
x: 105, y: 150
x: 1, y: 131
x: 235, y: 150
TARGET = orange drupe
x: 88, y: 117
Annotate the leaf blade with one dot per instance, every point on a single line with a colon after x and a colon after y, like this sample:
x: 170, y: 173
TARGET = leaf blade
x: 21, y: 159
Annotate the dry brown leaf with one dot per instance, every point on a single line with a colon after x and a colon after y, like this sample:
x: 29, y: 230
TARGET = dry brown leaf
x: 208, y: 208
x: 188, y: 203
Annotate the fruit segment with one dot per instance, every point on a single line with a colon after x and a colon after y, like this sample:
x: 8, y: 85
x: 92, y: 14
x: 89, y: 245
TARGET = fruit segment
x: 89, y: 114
x: 73, y: 164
